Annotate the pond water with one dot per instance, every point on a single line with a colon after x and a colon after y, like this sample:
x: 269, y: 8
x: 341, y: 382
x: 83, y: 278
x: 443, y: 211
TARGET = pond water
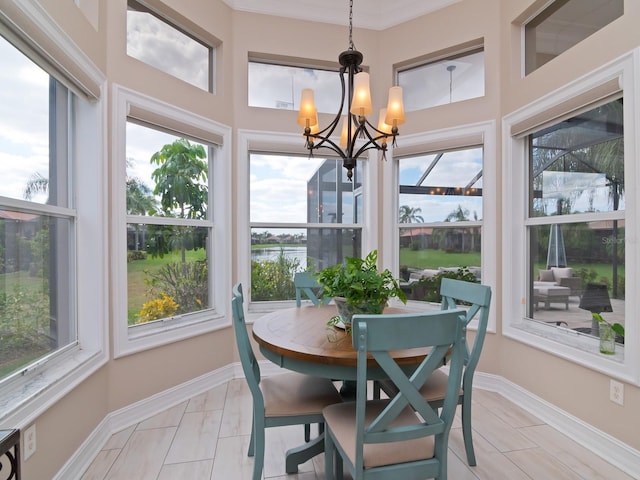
x: 290, y: 252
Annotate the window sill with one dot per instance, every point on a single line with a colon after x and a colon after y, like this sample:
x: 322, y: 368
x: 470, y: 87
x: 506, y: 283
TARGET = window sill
x: 27, y: 396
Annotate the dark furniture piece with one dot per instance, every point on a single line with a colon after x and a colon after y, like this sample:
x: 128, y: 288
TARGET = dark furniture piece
x: 10, y: 448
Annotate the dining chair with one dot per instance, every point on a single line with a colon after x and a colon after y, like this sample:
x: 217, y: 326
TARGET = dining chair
x: 287, y: 399
x: 403, y: 436
x: 306, y: 284
x: 478, y: 297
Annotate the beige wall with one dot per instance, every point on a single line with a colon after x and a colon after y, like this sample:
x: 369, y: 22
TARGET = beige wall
x: 578, y: 390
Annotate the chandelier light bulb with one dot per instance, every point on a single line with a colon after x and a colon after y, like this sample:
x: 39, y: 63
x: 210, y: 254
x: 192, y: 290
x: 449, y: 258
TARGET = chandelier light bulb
x: 361, y: 102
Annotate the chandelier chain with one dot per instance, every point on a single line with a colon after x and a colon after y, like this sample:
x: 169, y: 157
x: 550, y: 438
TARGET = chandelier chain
x: 351, y: 47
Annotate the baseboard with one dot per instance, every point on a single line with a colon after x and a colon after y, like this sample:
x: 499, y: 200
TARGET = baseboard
x: 127, y: 416
x: 598, y: 442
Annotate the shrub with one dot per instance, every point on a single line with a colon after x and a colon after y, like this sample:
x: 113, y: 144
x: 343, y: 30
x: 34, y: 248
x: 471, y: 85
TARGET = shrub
x: 273, y: 279
x: 133, y: 255
x: 430, y: 287
x: 157, y: 308
x: 186, y: 283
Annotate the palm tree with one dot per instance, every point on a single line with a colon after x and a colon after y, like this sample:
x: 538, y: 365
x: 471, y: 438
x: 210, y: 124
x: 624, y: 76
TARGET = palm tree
x: 140, y: 201
x: 459, y: 215
x: 410, y: 214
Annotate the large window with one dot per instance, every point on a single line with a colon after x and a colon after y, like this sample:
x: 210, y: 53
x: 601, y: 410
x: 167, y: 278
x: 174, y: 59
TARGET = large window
x: 445, y: 80
x: 304, y: 215
x: 563, y: 24
x: 172, y: 193
x: 570, y: 176
x: 440, y: 219
x: 52, y: 232
x: 153, y: 39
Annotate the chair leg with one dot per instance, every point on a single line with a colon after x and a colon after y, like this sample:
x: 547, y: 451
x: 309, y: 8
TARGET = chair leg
x: 307, y: 432
x: 329, y: 455
x: 466, y: 429
x: 251, y: 450
x: 258, y: 461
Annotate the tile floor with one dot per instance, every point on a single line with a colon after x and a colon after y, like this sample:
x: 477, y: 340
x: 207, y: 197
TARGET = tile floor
x: 207, y: 436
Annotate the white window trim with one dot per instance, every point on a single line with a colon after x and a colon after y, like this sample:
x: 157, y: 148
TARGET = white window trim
x: 287, y: 143
x: 489, y: 200
x: 551, y: 339
x: 26, y: 398
x: 125, y: 341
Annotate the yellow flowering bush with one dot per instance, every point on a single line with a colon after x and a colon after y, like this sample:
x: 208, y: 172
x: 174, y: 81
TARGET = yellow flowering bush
x: 161, y: 307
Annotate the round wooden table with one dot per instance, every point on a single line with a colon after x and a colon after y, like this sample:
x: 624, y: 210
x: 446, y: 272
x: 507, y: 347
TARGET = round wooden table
x: 299, y: 339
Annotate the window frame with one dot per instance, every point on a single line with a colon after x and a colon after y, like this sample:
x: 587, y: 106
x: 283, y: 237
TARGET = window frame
x: 583, y: 351
x: 126, y: 340
x: 49, y: 379
x: 450, y: 54
x: 188, y: 28
x: 447, y: 139
x: 283, y: 143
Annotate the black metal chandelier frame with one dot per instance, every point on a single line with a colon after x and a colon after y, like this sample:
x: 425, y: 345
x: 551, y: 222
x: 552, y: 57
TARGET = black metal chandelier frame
x: 350, y: 61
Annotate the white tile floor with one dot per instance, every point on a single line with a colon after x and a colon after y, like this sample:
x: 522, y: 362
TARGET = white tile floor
x: 207, y: 438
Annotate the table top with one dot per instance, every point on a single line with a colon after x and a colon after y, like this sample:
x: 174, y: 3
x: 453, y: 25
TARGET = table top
x: 299, y: 339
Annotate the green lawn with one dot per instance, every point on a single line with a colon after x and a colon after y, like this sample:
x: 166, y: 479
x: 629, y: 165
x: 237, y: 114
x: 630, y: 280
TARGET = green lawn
x: 437, y: 258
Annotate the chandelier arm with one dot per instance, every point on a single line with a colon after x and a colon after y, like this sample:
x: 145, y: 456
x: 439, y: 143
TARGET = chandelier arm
x: 331, y: 146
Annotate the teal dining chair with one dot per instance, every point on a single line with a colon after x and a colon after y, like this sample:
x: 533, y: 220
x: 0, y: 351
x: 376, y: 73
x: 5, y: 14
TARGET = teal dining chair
x: 403, y: 437
x: 305, y: 283
x: 478, y: 298
x: 287, y: 399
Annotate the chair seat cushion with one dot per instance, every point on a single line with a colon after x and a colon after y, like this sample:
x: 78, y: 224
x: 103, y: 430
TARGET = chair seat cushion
x: 341, y: 419
x: 297, y: 394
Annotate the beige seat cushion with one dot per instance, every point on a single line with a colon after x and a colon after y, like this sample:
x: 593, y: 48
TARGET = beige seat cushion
x: 341, y: 420
x: 434, y: 388
x: 297, y: 394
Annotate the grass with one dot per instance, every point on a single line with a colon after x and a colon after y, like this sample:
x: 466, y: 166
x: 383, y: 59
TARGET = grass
x: 437, y: 258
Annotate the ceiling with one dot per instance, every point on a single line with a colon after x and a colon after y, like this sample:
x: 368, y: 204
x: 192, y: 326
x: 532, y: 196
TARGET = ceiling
x: 371, y: 14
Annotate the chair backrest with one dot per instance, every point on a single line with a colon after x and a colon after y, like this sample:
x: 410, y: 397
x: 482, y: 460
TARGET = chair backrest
x: 248, y: 359
x: 308, y: 284
x: 376, y: 336
x: 479, y: 298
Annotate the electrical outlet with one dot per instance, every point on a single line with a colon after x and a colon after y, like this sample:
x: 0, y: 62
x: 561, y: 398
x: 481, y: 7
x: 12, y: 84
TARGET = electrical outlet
x: 29, y: 441
x: 616, y: 392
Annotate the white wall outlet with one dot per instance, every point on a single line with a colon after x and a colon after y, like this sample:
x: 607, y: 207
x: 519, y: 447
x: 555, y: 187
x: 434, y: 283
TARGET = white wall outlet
x: 29, y: 436
x: 616, y: 392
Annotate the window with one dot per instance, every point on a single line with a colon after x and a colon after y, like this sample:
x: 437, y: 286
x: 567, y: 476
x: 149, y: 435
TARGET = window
x: 440, y: 219
x: 446, y: 80
x: 570, y: 171
x: 563, y: 24
x: 274, y: 85
x: 52, y: 248
x: 153, y: 39
x: 171, y: 250
x: 319, y: 227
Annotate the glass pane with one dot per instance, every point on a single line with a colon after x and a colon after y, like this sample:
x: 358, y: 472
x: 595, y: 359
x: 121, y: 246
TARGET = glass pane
x: 166, y: 175
x: 594, y: 256
x: 36, y: 315
x: 280, y: 86
x: 578, y: 165
x: 277, y: 254
x: 427, y: 254
x: 563, y: 24
x: 299, y: 190
x: 442, y: 187
x: 24, y: 127
x: 169, y: 277
x: 442, y: 82
x: 161, y: 45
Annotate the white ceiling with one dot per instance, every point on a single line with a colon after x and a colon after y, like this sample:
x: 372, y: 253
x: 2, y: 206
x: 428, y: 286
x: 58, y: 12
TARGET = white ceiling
x: 372, y: 14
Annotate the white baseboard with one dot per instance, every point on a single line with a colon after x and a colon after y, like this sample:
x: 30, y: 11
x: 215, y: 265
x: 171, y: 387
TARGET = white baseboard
x: 600, y: 443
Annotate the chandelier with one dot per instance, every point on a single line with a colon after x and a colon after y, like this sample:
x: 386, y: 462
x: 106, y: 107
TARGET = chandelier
x: 357, y: 135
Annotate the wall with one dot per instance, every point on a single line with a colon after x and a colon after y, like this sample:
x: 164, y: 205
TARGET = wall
x: 119, y: 383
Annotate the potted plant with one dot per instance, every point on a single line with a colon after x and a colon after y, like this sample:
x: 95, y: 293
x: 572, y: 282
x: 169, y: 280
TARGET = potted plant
x: 356, y: 286
x: 608, y: 332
